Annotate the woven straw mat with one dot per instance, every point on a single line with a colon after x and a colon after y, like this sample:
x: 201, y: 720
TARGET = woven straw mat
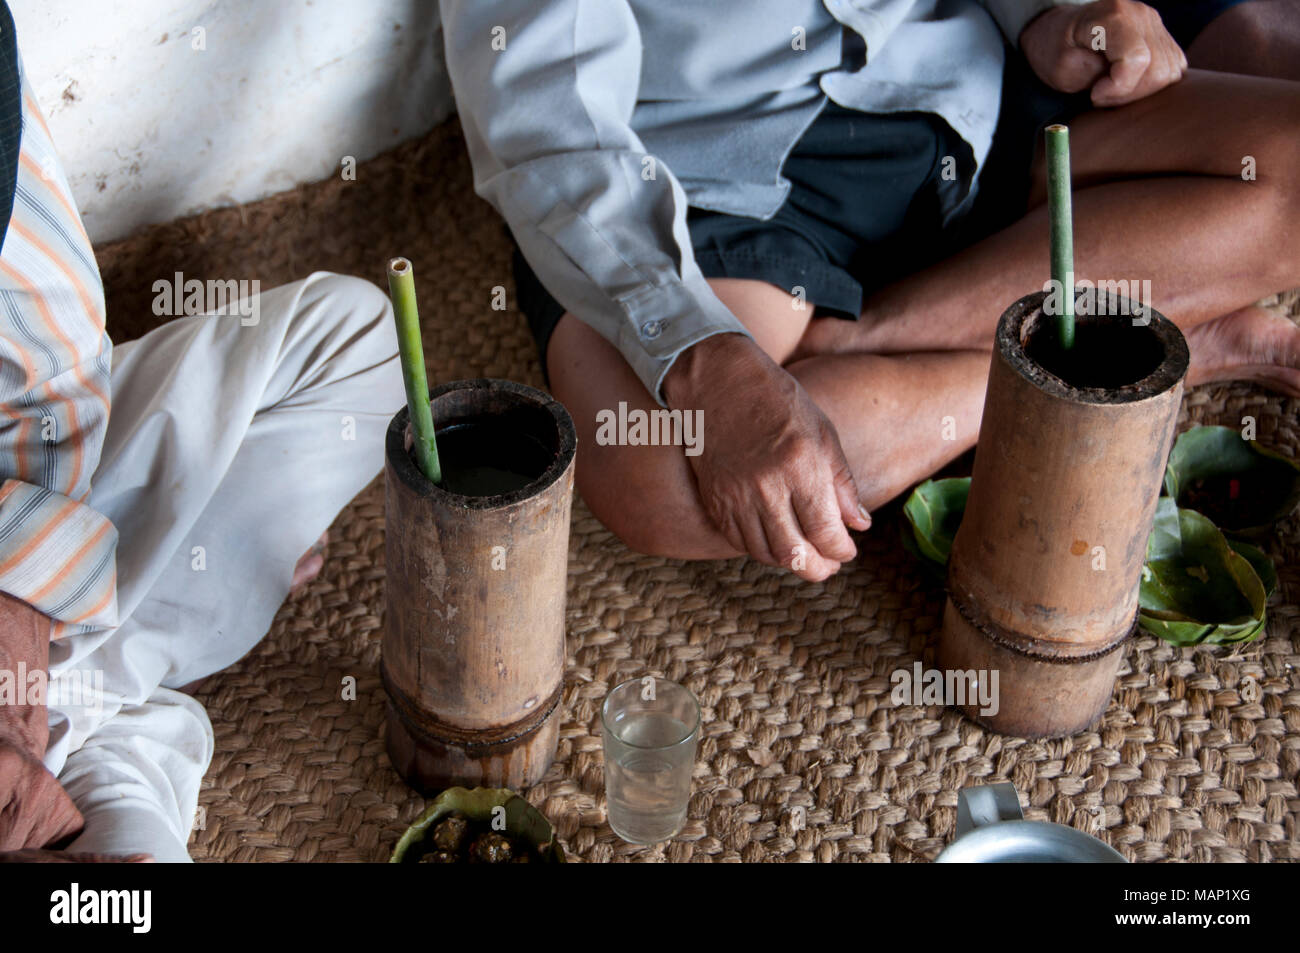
x: 793, y: 677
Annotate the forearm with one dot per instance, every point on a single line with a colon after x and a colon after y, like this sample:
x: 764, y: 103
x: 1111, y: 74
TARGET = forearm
x: 704, y: 366
x: 24, y: 652
x: 547, y: 118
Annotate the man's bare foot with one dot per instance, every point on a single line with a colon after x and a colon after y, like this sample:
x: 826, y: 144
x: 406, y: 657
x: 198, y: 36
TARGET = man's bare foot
x: 1252, y: 344
x: 311, y: 564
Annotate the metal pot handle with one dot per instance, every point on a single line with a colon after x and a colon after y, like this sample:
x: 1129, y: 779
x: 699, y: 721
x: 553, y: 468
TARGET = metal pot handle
x: 979, y: 805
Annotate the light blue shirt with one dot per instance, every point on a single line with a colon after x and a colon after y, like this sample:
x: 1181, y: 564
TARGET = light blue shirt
x: 593, y: 124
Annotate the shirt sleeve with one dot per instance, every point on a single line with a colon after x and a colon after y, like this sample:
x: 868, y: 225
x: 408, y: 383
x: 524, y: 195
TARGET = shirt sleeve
x: 56, y: 552
x: 545, y: 92
x: 1013, y: 16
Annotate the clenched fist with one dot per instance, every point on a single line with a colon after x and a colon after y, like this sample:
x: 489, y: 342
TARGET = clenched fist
x: 1119, y: 49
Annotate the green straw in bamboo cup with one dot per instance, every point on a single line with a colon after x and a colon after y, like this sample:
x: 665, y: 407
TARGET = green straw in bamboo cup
x: 1061, y: 218
x: 401, y: 286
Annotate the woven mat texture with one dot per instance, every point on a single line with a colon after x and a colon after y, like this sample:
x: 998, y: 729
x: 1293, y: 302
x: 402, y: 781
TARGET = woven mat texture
x: 793, y: 677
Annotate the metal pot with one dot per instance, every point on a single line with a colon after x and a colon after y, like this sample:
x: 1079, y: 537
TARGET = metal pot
x: 991, y: 829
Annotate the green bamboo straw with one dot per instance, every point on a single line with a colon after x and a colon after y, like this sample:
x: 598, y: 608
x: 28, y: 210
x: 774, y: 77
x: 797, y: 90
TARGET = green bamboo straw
x: 401, y: 285
x: 1062, y: 225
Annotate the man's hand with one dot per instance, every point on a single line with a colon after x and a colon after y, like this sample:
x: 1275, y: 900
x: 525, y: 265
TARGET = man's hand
x: 34, y: 808
x: 772, y: 476
x: 1118, y: 48
x: 68, y: 857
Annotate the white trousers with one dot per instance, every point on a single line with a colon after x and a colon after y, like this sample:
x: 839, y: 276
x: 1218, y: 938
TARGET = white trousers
x: 230, y: 449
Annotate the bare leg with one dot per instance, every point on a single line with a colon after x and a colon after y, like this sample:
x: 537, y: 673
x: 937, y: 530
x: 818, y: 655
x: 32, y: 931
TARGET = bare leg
x: 1260, y: 38
x: 889, y: 412
x: 900, y: 417
x: 1210, y: 242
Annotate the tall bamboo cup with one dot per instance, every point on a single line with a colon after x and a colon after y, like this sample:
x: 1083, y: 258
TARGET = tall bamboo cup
x: 1044, y: 572
x: 473, y: 643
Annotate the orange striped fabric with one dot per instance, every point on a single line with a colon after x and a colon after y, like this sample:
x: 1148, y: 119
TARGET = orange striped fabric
x: 56, y: 553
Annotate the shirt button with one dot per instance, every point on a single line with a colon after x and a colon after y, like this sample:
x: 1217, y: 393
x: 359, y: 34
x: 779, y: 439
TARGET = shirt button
x: 651, y: 329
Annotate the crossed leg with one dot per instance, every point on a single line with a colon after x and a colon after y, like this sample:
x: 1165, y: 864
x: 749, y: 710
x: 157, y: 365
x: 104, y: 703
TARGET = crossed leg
x: 229, y: 451
x: 1160, y: 195
x: 1260, y: 38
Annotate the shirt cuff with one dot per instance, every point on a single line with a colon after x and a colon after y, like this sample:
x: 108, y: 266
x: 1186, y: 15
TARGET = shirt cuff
x: 1013, y: 16
x: 57, y: 555
x: 664, y: 320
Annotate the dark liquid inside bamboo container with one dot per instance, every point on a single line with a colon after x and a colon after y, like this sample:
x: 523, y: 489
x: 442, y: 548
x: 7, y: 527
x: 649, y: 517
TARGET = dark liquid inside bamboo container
x: 473, y: 645
x: 1044, y: 572
x: 484, y: 457
x: 1105, y: 353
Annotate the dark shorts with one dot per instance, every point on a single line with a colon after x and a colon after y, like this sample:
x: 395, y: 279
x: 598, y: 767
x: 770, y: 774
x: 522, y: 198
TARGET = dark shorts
x: 864, y: 206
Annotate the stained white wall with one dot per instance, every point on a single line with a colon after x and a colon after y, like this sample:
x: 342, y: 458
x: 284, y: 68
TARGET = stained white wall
x: 152, y: 128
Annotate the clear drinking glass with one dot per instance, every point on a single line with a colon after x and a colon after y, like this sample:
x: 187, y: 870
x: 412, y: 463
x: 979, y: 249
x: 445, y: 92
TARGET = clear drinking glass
x: 651, y: 729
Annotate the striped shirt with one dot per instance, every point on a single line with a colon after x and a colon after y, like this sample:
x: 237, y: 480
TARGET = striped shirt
x: 56, y: 552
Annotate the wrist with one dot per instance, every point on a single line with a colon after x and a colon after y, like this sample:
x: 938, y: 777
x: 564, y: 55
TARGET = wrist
x: 699, y: 363
x: 1050, y: 23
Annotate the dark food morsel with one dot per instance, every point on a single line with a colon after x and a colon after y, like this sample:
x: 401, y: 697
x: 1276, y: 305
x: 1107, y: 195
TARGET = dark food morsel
x: 491, y: 849
x: 457, y: 839
x: 438, y: 857
x: 450, y: 833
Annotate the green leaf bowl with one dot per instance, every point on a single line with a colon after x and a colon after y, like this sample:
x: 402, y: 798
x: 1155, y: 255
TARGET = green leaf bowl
x: 1241, y: 485
x: 521, y: 820
x: 1197, y: 588
x: 1197, y: 585
x: 934, y: 510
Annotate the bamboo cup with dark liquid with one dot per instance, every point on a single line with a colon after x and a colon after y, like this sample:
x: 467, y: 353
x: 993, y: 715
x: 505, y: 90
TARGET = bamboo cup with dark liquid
x: 473, y: 643
x: 1044, y: 571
